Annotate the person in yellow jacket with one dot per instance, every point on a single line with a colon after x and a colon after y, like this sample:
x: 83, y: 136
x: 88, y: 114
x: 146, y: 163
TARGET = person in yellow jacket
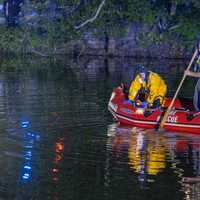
x: 147, y: 89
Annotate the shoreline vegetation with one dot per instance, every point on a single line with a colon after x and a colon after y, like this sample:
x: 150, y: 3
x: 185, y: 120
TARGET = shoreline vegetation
x: 114, y: 28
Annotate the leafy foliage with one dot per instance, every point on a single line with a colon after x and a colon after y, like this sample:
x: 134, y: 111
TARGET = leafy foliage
x: 51, y: 27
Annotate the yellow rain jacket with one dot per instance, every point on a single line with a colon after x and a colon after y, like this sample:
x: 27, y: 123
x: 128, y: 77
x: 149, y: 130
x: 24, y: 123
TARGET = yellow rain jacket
x: 155, y: 84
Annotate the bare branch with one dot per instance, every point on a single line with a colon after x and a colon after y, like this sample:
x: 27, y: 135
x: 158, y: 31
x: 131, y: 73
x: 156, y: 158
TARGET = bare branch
x: 38, y: 52
x: 93, y: 18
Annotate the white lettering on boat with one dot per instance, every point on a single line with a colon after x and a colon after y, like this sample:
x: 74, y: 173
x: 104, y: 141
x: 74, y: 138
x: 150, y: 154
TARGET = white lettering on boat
x: 172, y: 119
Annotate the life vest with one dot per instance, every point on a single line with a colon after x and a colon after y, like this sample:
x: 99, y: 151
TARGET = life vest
x: 155, y: 86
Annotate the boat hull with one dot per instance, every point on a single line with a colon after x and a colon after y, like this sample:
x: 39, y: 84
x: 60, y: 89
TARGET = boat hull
x: 180, y: 119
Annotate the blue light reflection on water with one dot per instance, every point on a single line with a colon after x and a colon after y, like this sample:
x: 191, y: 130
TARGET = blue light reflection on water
x: 30, y: 138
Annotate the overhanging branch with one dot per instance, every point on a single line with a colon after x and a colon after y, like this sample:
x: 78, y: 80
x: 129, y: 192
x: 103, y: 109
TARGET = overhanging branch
x: 93, y: 18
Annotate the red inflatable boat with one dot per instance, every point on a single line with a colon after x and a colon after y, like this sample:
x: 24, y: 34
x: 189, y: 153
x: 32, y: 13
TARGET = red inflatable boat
x: 181, y: 118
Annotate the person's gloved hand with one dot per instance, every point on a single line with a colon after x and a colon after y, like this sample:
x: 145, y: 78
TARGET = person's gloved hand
x: 144, y: 104
x: 141, y: 104
x: 156, y: 103
x: 138, y: 103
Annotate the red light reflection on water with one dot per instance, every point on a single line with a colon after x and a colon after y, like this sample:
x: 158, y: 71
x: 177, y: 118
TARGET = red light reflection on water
x: 59, y: 148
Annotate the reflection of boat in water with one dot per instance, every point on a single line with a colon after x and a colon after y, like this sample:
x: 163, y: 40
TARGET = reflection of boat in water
x: 179, y: 119
x: 146, y: 155
x: 152, y: 155
x: 146, y: 152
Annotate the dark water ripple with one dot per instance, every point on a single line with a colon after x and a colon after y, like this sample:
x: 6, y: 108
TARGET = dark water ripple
x: 58, y: 141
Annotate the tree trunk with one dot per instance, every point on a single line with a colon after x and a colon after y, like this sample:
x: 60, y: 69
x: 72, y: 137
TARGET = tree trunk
x: 173, y: 8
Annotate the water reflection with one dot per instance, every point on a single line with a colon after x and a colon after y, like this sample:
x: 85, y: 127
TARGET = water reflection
x: 146, y: 152
x: 59, y: 148
x: 30, y: 138
x: 152, y: 154
x: 185, y: 155
x: 146, y: 155
x: 66, y: 104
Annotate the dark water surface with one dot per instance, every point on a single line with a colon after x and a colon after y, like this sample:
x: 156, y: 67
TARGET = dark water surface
x: 58, y: 141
